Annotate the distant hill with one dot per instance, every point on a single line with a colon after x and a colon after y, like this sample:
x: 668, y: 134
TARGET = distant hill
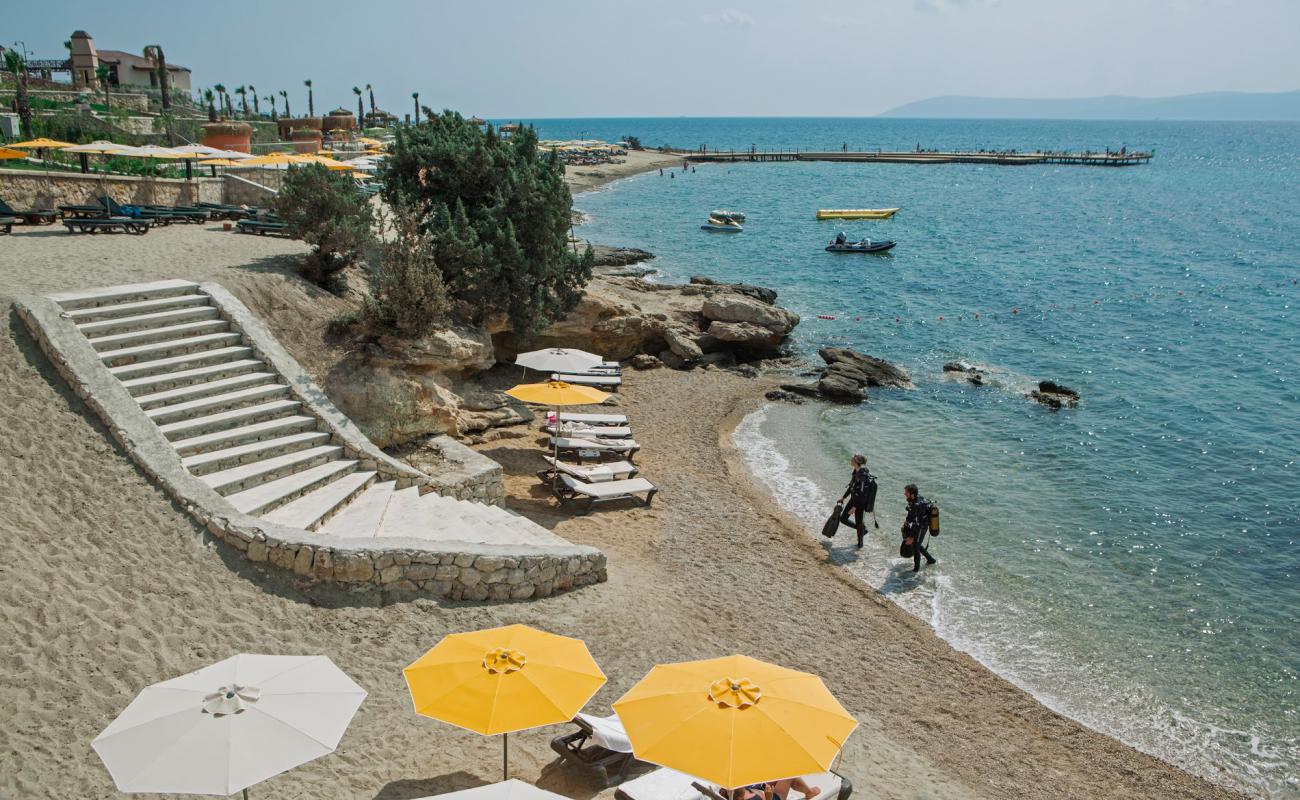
x: 1274, y: 106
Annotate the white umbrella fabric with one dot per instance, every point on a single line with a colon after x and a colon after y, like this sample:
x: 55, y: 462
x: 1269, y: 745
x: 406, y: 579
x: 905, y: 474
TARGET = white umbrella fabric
x: 559, y: 359
x: 229, y: 725
x: 513, y: 789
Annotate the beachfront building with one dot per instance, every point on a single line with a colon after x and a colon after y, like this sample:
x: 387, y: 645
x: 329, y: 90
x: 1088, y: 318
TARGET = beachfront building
x: 125, y: 70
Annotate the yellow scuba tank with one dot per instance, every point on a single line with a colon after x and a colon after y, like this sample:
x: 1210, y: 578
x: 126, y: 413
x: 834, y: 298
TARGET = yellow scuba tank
x: 934, y: 519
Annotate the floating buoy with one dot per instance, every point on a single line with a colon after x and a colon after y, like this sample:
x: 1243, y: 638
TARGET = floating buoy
x: 941, y: 317
x: 825, y: 316
x: 1015, y: 311
x: 857, y: 319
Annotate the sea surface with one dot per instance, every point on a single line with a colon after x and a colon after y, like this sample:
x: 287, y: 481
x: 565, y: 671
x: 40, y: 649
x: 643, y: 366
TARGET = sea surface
x: 1134, y: 562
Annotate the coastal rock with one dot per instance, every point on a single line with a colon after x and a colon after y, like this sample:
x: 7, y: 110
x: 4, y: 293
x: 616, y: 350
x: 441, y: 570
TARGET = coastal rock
x: 643, y: 361
x: 447, y: 350
x: 746, y: 334
x: 683, y: 345
x: 875, y: 371
x: 802, y: 389
x: 1054, y: 395
x: 783, y: 396
x: 607, y: 256
x: 841, y: 389
x: 759, y: 293
x: 972, y: 373
x: 739, y: 308
x: 601, y: 323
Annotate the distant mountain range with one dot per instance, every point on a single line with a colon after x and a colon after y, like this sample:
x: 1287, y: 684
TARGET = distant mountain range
x: 1273, y: 106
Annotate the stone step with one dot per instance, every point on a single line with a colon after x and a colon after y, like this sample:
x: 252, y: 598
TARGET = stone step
x: 405, y: 516
x: 176, y: 347
x: 362, y: 516
x: 244, y: 434
x: 166, y: 333
x: 261, y: 499
x: 195, y: 391
x: 226, y: 401
x: 119, y: 295
x: 246, y: 476
x: 154, y: 319
x: 225, y: 420
x: 453, y: 522
x: 488, y: 524
x: 97, y: 313
x: 225, y: 458
x: 195, y: 360
x: 152, y: 384
x: 310, y: 510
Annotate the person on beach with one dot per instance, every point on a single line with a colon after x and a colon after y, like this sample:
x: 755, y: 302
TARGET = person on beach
x: 861, y: 494
x: 780, y: 790
x: 916, y: 526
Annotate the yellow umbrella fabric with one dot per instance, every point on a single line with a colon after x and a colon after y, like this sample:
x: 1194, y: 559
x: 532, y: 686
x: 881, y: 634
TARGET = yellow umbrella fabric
x: 270, y: 158
x: 557, y: 393
x: 7, y: 154
x: 220, y: 162
x: 35, y: 144
x: 734, y: 721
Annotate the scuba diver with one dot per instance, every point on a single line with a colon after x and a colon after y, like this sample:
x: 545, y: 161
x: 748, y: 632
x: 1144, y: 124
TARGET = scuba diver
x: 916, y: 526
x: 861, y: 494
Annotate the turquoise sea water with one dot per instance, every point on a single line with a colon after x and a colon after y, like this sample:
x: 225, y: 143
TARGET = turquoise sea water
x: 1134, y: 563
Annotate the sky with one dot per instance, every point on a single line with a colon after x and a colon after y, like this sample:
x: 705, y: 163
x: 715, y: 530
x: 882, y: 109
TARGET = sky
x: 528, y: 60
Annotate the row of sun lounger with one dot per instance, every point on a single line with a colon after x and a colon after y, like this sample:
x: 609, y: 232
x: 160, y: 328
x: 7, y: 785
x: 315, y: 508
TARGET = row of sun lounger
x: 592, y: 436
x: 601, y: 743
x: 107, y: 214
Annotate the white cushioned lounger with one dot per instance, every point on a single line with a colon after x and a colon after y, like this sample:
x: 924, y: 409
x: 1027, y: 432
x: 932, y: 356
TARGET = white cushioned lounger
x: 595, y: 419
x: 668, y: 784
x: 572, y: 489
x: 588, y: 378
x: 599, y: 431
x: 603, y: 445
x: 591, y: 473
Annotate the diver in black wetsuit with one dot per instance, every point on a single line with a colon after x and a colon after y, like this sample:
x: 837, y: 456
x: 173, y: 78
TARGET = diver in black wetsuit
x: 916, y: 526
x: 861, y: 494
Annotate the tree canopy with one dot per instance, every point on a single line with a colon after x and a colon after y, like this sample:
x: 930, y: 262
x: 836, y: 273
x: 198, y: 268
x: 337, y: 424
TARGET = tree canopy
x: 498, y: 215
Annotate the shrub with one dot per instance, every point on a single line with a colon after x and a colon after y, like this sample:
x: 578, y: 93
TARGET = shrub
x: 497, y: 213
x: 407, y: 294
x: 326, y: 211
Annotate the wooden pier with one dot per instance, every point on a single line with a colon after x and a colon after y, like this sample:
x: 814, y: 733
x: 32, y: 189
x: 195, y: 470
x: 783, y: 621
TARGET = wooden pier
x: 1086, y: 159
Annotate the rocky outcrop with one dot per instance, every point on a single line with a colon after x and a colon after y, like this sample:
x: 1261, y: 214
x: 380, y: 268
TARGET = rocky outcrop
x: 972, y: 373
x: 607, y: 256
x: 1054, y: 395
x: 736, y: 307
x: 847, y: 375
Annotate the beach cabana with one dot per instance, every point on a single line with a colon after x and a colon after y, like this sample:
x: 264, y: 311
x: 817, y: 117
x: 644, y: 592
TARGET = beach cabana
x: 503, y: 680
x: 230, y: 725
x: 734, y: 721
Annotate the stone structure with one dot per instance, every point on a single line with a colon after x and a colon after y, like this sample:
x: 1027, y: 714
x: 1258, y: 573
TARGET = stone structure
x: 30, y: 189
x: 214, y: 410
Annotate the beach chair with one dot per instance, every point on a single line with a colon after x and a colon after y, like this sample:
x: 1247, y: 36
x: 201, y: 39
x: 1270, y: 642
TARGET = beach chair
x: 260, y: 227
x: 615, y: 420
x: 137, y: 227
x: 591, y: 473
x: 112, y: 208
x: 599, y: 743
x: 581, y: 431
x: 598, y: 379
x: 568, y: 489
x: 571, y: 444
x: 81, y: 211
x: 192, y: 214
x: 7, y: 225
x: 32, y: 216
x: 669, y: 784
x: 225, y: 211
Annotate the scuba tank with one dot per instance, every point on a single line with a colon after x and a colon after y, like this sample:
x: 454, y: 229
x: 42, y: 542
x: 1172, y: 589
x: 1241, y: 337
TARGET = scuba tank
x: 934, y: 519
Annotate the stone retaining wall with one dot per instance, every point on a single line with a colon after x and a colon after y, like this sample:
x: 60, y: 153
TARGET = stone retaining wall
x: 458, y: 571
x: 243, y: 192
x: 128, y: 100
x: 24, y: 188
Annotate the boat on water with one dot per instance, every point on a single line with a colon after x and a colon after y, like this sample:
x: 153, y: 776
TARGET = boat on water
x: 842, y: 245
x: 856, y: 213
x: 721, y: 227
x: 723, y: 214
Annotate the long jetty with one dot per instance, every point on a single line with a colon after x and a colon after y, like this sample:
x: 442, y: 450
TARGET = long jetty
x: 1087, y: 159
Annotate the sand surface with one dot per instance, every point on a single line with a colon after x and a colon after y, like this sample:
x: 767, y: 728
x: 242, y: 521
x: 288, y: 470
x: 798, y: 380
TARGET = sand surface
x: 106, y: 587
x: 583, y: 179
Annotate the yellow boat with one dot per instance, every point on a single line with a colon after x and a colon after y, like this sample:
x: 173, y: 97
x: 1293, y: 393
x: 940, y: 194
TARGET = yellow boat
x: 856, y: 213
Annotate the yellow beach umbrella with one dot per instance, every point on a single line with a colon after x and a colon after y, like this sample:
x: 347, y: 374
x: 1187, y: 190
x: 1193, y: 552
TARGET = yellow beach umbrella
x: 734, y: 721
x: 270, y: 159
x: 7, y: 154
x: 557, y: 393
x: 502, y: 680
x: 220, y: 162
x: 39, y: 144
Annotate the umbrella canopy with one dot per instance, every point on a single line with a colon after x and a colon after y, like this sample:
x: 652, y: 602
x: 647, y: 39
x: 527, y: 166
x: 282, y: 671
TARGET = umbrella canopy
x: 99, y: 147
x: 36, y: 144
x: 219, y: 162
x: 199, y: 150
x: 230, y: 725
x: 735, y: 721
x: 505, y: 679
x: 270, y: 159
x: 154, y: 151
x: 7, y: 154
x: 557, y: 393
x: 559, y: 359
x: 513, y: 789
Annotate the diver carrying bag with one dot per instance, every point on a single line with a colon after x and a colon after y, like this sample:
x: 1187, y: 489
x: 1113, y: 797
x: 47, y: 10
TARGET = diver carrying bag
x: 833, y: 524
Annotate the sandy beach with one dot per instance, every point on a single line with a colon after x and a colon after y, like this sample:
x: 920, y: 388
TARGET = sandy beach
x: 584, y: 179
x: 713, y: 568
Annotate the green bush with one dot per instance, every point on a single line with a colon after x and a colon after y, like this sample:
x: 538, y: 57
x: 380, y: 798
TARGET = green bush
x: 407, y: 294
x: 325, y: 210
x: 497, y: 214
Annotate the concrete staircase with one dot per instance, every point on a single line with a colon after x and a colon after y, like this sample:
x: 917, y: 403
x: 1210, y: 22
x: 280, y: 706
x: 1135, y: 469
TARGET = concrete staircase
x: 236, y: 425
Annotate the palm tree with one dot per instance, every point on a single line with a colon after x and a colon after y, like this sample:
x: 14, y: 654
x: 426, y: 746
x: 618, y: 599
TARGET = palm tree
x: 15, y: 63
x: 257, y: 111
x: 209, y: 97
x: 416, y: 97
x: 154, y: 53
x: 371, y: 89
x: 242, y: 91
x: 270, y: 98
x: 103, y: 73
x: 361, y: 108
x: 311, y: 102
x: 287, y: 113
x: 220, y: 89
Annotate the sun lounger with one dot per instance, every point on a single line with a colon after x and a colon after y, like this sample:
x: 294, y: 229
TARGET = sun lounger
x: 595, y: 419
x: 624, y: 447
x: 568, y: 489
x: 138, y: 227
x: 599, y: 743
x: 260, y: 227
x: 75, y: 211
x: 591, y: 473
x: 116, y: 209
x: 603, y: 381
x: 581, y: 431
x: 7, y: 224
x: 224, y: 211
x: 34, y: 216
x: 668, y: 784
x: 193, y: 213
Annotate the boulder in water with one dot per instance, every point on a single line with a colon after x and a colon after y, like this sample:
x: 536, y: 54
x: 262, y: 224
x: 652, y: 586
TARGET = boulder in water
x: 1054, y: 395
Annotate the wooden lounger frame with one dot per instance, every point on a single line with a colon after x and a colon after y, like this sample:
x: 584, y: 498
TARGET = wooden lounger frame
x: 578, y: 748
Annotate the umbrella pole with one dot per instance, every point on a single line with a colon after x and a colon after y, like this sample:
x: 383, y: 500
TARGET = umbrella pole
x: 505, y: 756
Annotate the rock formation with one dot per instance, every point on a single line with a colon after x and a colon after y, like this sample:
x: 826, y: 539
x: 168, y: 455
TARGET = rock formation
x: 1054, y: 395
x: 847, y: 375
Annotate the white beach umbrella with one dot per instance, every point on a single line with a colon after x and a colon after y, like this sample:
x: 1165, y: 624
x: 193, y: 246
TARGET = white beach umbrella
x: 225, y: 727
x: 513, y: 789
x: 559, y: 359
